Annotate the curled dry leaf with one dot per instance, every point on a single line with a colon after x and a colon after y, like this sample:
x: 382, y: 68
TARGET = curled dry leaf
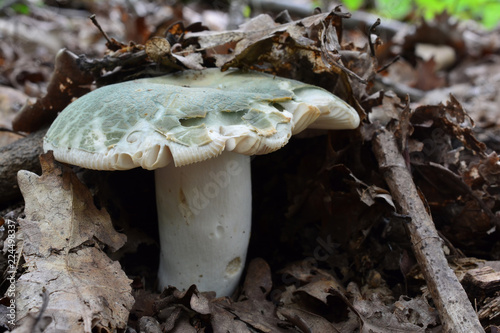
x: 262, y: 40
x: 67, y: 82
x: 450, y: 118
x: 258, y: 282
x: 485, y: 171
x: 63, y: 235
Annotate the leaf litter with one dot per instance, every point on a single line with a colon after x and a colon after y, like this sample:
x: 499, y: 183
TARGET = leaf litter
x: 336, y: 255
x: 62, y: 238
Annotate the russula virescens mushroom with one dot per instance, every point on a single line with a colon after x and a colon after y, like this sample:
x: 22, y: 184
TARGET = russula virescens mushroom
x: 197, y: 129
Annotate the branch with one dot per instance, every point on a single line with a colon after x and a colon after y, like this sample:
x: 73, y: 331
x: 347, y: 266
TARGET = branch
x: 452, y: 303
x: 20, y: 154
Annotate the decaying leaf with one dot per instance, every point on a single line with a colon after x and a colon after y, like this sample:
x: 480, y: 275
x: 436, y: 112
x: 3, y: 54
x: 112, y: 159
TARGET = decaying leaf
x: 254, y: 309
x: 63, y: 236
x: 307, y: 321
x: 341, y: 229
x: 261, y: 40
x: 252, y: 312
x: 404, y: 316
x: 67, y: 82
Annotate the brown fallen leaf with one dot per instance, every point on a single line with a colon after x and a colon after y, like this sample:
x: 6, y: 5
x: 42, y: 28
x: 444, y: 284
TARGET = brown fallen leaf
x: 67, y: 82
x: 450, y: 118
x: 258, y: 282
x: 414, y: 315
x: 63, y: 236
x: 252, y: 312
x: 307, y: 321
x: 312, y: 40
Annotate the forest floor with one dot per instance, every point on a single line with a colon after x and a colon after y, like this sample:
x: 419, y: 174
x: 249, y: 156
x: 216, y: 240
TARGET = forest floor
x: 390, y: 227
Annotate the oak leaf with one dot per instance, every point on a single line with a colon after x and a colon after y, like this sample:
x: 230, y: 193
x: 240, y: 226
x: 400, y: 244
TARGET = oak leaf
x: 63, y: 236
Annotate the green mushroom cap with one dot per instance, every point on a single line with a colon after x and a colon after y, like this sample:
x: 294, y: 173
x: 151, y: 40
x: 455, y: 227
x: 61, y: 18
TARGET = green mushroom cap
x: 189, y: 117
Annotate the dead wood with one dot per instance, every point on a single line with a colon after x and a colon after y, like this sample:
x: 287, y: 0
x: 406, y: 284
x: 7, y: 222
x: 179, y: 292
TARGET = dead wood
x: 455, y: 310
x: 482, y: 281
x: 491, y: 309
x: 20, y: 154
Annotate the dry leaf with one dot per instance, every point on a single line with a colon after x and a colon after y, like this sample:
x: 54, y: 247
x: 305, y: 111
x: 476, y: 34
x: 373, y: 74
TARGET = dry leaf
x: 63, y: 235
x: 253, y: 312
x: 67, y: 82
x: 307, y: 321
x: 262, y: 40
x: 379, y: 317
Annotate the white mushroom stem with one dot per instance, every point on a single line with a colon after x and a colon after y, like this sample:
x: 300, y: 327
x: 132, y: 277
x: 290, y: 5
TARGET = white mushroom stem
x: 204, y: 216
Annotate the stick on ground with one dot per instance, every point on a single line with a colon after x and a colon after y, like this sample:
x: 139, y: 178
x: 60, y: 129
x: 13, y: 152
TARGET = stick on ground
x: 20, y: 154
x: 455, y: 310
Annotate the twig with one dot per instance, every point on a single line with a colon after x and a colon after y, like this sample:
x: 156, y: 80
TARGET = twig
x: 105, y: 35
x: 111, y: 43
x: 402, y: 90
x: 383, y: 68
x: 456, y: 312
x: 8, y: 130
x: 370, y: 32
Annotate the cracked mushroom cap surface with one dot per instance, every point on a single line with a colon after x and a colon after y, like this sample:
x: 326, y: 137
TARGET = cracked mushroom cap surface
x: 189, y: 117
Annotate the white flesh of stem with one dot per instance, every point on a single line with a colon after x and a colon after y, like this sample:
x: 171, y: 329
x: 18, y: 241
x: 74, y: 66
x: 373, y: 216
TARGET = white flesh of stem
x: 204, y: 217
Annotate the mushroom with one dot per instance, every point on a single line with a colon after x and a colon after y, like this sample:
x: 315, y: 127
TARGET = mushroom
x: 196, y: 129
